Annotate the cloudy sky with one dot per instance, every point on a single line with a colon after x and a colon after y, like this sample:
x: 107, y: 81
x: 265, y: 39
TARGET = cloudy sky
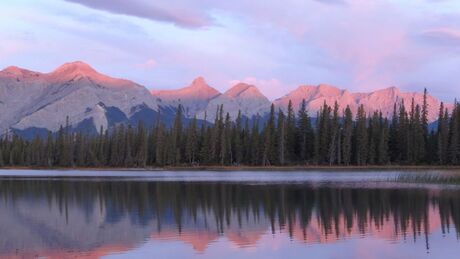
x: 359, y: 45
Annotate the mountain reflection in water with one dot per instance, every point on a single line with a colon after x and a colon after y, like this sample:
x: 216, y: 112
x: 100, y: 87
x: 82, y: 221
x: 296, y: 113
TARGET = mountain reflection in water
x: 65, y: 218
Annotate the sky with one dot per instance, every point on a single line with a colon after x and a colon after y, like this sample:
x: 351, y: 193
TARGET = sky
x: 360, y: 45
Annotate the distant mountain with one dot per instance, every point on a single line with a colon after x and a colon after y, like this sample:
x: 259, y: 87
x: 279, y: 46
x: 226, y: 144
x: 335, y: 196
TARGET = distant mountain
x: 35, y: 103
x: 74, y: 90
x: 241, y: 97
x: 201, y: 100
x: 382, y: 100
x: 193, y: 98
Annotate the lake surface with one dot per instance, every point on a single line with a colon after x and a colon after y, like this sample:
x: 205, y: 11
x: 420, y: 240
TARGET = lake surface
x: 138, y: 214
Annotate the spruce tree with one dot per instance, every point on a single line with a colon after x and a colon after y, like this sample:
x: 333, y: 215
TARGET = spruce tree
x: 269, y: 137
x: 258, y: 152
x: 382, y: 151
x: 454, y: 136
x: 141, y: 146
x: 61, y: 148
x: 246, y: 144
x: 225, y: 144
x: 374, y: 135
x: 205, y: 142
x: 334, y: 142
x: 49, y: 151
x: 361, y: 137
x: 424, y: 122
x: 80, y: 150
x: 128, y: 151
x: 205, y: 152
x: 393, y: 136
x: 419, y: 137
x: 238, y: 139
x: 174, y: 154
x: 151, y: 146
x: 192, y: 142
x: 403, y: 134
x: 216, y: 135
x: 323, y: 133
x: 347, y: 136
x: 282, y: 136
x: 306, y: 138
x: 443, y: 134
x: 291, y: 134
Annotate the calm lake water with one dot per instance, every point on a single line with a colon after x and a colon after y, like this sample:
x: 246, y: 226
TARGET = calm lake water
x: 136, y: 214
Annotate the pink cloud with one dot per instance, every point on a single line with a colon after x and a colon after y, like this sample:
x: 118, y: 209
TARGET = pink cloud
x: 366, y: 43
x: 148, y: 64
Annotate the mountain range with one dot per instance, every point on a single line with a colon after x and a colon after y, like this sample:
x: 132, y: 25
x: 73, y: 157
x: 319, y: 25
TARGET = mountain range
x: 76, y: 94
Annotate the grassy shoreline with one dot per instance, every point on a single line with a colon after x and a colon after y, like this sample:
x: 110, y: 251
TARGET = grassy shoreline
x: 417, y: 174
x: 246, y: 168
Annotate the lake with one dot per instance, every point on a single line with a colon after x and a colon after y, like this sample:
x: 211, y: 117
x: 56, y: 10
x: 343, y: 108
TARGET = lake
x: 139, y: 214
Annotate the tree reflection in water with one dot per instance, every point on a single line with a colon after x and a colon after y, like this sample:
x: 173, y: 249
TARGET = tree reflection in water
x: 49, y: 217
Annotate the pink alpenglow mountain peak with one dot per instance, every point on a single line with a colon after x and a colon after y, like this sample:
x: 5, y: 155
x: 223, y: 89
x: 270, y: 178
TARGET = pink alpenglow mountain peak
x: 13, y: 71
x: 380, y: 100
x: 72, y: 71
x: 79, y: 70
x: 74, y: 90
x: 243, y: 98
x: 244, y: 90
x: 193, y: 98
x: 198, y: 90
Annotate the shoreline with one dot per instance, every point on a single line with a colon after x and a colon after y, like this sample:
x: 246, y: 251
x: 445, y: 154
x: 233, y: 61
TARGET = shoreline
x: 243, y: 168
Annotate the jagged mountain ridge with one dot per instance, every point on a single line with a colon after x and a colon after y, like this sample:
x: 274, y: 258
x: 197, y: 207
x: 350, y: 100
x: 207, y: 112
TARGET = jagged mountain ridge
x: 89, y: 99
x: 380, y: 100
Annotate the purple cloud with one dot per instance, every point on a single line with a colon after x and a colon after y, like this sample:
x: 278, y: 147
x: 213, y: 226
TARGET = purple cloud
x: 148, y: 10
x: 447, y: 36
x: 334, y: 2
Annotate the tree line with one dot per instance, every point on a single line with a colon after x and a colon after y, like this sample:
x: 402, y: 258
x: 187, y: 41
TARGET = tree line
x: 337, y: 137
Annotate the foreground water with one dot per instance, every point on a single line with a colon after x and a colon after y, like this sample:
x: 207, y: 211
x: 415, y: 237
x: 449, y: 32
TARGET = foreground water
x: 138, y: 214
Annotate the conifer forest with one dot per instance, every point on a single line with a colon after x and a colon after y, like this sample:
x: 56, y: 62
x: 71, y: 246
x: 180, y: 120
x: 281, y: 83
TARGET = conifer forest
x: 335, y: 137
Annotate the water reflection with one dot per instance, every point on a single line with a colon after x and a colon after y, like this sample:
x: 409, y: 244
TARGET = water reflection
x: 62, y: 218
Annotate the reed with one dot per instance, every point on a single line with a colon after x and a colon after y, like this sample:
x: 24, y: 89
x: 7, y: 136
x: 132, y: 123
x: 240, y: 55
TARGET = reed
x: 429, y: 178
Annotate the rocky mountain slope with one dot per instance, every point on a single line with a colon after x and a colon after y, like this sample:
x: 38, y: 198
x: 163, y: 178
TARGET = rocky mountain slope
x: 75, y: 92
x: 241, y: 97
x: 193, y: 98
